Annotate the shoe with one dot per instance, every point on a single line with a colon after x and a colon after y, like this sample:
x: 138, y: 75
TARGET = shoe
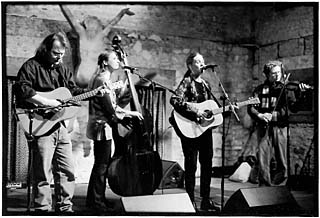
x: 209, y: 205
x: 109, y: 203
x: 68, y: 212
x: 37, y: 212
x: 64, y: 210
x: 279, y: 179
x: 98, y: 210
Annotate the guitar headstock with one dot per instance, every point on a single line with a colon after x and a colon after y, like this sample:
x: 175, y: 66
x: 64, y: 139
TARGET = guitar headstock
x: 116, y: 41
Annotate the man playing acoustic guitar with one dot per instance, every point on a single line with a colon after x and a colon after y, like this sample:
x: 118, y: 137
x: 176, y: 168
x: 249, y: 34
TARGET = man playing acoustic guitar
x: 45, y: 72
x: 194, y: 89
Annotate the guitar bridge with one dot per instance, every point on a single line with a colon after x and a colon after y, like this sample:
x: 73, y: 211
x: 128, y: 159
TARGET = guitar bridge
x: 46, y: 113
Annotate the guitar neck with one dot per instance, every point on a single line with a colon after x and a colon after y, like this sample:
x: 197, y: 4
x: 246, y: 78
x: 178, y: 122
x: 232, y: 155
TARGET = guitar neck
x: 85, y: 95
x: 228, y: 108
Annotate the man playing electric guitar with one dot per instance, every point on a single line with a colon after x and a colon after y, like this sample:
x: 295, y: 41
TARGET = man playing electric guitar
x: 45, y: 72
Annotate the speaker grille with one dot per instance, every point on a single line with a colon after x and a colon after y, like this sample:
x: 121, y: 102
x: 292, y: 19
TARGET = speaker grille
x: 17, y: 149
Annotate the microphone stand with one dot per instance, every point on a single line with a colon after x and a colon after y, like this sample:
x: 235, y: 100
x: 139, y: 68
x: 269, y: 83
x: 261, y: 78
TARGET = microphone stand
x: 31, y: 143
x: 224, y: 98
x: 153, y: 84
x: 288, y: 140
x: 31, y: 140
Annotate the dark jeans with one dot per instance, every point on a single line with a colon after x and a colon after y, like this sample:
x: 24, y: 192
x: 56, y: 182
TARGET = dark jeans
x: 97, y: 182
x: 191, y: 148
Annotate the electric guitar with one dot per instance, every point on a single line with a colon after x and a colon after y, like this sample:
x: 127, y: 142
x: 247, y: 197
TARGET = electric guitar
x: 45, y: 118
x: 213, y: 117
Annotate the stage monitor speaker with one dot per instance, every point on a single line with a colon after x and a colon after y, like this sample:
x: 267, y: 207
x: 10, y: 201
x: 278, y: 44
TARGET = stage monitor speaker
x: 172, y: 175
x: 262, y: 201
x: 150, y: 204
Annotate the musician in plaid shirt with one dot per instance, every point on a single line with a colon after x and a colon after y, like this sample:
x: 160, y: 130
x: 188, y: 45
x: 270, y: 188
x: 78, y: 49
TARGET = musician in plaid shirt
x: 193, y: 88
x: 271, y: 117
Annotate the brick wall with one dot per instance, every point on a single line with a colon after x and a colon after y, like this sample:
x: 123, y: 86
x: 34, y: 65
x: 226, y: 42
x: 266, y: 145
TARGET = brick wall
x: 288, y: 35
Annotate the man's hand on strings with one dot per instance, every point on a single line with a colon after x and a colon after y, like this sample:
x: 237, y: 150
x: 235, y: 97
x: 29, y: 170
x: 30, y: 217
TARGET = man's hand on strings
x: 303, y: 87
x: 54, y: 104
x: 266, y: 117
x: 201, y: 114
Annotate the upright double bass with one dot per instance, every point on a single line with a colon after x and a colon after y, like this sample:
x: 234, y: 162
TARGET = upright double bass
x: 135, y: 168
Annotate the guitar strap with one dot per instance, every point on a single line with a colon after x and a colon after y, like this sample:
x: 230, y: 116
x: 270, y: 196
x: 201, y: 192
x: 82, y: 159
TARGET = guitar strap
x: 210, y: 93
x: 61, y: 75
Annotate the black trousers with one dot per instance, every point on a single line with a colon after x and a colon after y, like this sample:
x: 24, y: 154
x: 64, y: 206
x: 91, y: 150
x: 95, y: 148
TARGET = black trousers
x: 97, y: 182
x: 191, y: 147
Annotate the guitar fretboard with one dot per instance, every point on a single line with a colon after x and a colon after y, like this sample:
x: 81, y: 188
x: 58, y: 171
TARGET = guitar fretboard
x: 111, y: 86
x: 228, y: 108
x: 85, y: 95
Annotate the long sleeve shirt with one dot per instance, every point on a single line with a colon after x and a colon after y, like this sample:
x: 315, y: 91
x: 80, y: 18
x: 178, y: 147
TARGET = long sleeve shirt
x: 270, y: 102
x: 190, y: 91
x: 36, y: 75
x: 104, y: 112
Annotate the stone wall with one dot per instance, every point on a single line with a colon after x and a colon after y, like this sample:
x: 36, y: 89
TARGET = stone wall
x: 288, y: 35
x: 237, y: 37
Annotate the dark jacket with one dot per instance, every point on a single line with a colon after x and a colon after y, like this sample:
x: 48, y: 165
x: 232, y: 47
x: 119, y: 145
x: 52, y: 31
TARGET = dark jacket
x: 190, y: 91
x: 268, y: 94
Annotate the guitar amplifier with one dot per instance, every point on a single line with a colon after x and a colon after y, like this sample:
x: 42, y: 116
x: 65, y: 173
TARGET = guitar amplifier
x: 16, y: 152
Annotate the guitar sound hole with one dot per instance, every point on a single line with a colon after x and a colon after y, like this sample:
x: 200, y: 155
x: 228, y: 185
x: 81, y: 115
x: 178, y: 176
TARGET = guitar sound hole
x: 208, y: 114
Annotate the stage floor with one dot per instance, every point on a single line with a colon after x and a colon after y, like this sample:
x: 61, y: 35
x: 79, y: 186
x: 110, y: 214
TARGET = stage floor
x: 15, y: 200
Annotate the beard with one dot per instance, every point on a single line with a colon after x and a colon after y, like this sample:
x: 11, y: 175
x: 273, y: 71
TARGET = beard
x: 56, y: 63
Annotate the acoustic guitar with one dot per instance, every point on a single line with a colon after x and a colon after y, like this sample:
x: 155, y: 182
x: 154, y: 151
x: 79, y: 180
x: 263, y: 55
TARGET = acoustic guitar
x: 212, y: 119
x: 45, y: 118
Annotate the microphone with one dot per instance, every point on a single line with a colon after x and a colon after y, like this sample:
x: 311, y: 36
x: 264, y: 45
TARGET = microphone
x: 209, y: 66
x: 129, y: 68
